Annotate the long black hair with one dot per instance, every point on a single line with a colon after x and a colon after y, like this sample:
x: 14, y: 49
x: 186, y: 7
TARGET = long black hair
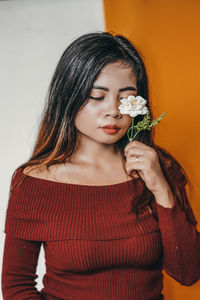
x: 70, y: 88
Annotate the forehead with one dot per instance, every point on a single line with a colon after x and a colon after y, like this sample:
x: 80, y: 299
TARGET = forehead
x: 120, y: 72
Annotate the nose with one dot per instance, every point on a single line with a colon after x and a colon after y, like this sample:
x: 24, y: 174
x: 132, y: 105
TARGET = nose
x: 112, y: 108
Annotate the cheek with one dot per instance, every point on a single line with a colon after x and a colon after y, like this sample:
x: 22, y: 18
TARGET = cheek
x: 79, y: 120
x: 84, y: 118
x: 88, y: 110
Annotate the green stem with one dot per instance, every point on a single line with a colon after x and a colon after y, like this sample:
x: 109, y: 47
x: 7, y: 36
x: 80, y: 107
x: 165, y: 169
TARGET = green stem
x: 132, y: 127
x: 131, y: 133
x: 135, y: 135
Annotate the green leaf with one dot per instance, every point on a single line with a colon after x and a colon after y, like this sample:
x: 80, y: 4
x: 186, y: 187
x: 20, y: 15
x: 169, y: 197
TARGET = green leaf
x: 145, y: 124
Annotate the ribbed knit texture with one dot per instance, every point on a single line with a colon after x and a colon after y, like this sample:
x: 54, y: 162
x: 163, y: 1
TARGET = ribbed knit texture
x: 95, y: 246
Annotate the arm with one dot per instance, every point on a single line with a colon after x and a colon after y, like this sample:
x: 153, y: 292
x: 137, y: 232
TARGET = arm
x: 180, y: 238
x: 19, y: 269
x: 181, y: 241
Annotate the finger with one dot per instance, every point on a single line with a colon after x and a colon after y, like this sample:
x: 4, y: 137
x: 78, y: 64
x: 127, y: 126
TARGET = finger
x: 137, y: 166
x: 135, y: 151
x: 148, y: 152
x: 136, y: 144
x: 135, y: 163
x: 136, y: 158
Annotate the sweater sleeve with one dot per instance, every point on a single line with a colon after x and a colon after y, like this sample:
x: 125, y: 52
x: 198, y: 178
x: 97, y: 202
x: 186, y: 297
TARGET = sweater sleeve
x: 19, y: 269
x: 181, y: 241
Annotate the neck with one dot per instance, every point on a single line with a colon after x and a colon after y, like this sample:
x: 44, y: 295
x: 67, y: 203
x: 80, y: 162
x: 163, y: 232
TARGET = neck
x: 94, y: 154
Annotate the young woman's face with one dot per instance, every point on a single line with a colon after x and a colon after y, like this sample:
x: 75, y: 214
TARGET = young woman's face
x: 116, y: 81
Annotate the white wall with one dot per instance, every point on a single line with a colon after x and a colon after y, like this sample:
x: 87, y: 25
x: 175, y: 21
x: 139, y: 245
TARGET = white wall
x: 33, y: 35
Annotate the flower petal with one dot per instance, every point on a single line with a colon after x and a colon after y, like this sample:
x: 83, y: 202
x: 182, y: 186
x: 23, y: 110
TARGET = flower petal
x: 133, y: 106
x: 131, y: 97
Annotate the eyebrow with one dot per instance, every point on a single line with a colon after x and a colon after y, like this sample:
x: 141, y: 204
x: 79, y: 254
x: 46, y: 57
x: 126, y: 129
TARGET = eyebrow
x: 127, y: 88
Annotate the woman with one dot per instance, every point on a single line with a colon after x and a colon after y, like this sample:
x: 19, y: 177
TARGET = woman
x: 111, y: 214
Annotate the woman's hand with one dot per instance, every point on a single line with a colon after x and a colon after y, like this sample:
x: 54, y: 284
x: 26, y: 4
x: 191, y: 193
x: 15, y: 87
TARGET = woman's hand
x: 145, y: 160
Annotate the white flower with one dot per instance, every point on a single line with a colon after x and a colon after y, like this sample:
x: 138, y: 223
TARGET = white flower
x: 133, y: 106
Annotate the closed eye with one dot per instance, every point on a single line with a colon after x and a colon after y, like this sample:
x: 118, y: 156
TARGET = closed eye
x: 97, y: 98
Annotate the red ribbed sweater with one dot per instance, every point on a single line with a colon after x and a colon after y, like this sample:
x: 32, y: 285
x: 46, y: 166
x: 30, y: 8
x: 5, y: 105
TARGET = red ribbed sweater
x: 95, y: 246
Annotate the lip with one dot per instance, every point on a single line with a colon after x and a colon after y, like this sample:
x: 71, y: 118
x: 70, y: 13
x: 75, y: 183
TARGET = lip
x: 110, y: 130
x: 109, y: 126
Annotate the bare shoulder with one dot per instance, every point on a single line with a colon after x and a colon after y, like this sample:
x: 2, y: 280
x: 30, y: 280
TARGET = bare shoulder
x: 37, y: 171
x: 56, y: 172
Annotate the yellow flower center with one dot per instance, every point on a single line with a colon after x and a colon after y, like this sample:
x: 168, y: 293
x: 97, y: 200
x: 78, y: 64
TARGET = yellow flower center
x: 133, y: 102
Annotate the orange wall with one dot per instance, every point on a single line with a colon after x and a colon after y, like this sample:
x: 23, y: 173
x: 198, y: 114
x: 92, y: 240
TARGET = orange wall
x: 167, y: 33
